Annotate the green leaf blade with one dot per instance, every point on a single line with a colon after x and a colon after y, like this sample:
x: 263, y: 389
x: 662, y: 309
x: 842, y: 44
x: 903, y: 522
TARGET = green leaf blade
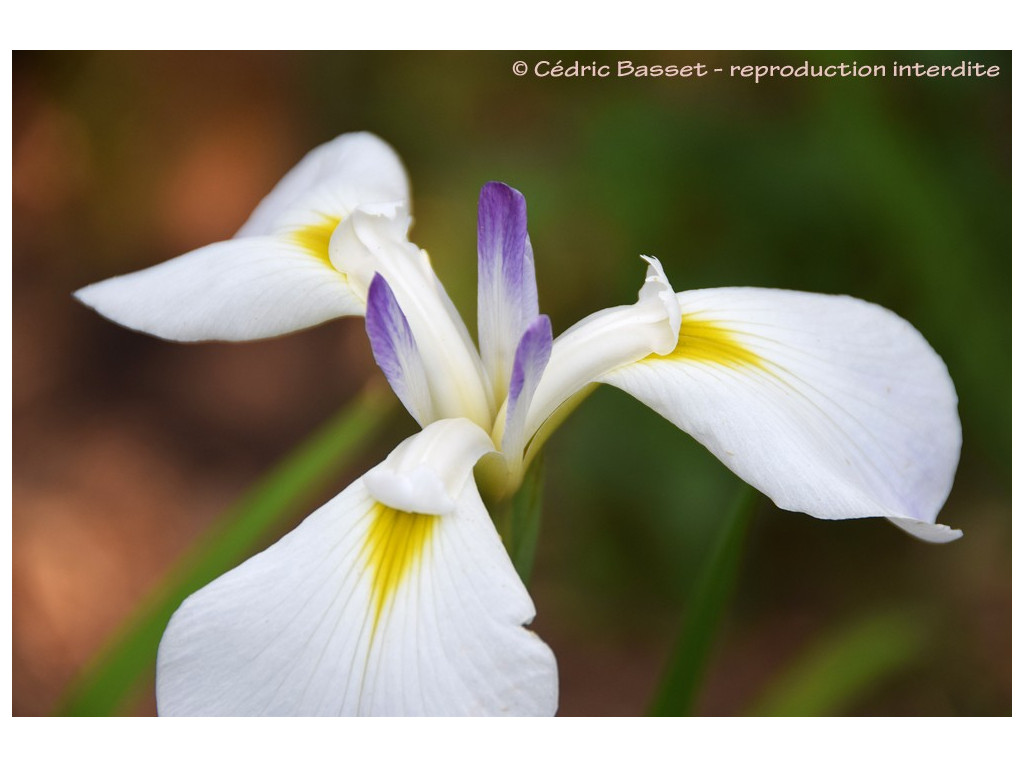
x: 713, y: 588
x: 843, y: 667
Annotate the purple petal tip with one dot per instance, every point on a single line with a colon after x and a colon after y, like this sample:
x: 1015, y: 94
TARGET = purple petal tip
x: 531, y: 358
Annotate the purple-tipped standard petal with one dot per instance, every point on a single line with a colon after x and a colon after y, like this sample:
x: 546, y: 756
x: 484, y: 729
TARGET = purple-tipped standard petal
x: 507, y: 297
x: 531, y: 359
x: 395, y: 350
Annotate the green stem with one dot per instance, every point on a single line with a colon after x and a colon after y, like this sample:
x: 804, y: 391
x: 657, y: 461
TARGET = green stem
x: 517, y: 518
x: 116, y: 674
x: 712, y: 589
x: 524, y: 524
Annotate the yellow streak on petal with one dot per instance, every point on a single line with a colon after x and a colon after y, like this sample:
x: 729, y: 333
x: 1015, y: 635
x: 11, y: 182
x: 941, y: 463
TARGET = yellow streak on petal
x: 395, y: 542
x: 315, y: 238
x: 705, y: 341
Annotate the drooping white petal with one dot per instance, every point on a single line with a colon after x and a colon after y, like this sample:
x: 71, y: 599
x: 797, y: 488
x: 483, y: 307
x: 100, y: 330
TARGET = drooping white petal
x: 363, y: 610
x: 828, y: 404
x: 276, y: 276
x: 242, y: 289
x: 368, y: 243
x: 351, y: 170
x: 606, y: 340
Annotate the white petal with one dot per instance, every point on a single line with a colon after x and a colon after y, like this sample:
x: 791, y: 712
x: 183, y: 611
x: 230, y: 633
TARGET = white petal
x: 248, y: 288
x: 933, y: 533
x: 828, y: 404
x: 363, y: 610
x: 330, y: 181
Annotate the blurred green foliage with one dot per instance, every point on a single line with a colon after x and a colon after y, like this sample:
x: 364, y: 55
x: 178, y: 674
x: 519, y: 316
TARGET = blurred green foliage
x: 896, y: 190
x: 845, y: 665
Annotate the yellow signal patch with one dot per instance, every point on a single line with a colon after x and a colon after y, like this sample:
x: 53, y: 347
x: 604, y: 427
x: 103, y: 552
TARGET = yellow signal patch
x: 705, y: 341
x: 395, y: 543
x: 315, y: 238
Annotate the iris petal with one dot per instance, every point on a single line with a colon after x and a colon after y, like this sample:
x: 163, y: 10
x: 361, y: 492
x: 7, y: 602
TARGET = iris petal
x: 249, y: 288
x: 352, y: 170
x: 395, y: 351
x: 531, y: 359
x: 827, y: 404
x: 366, y: 609
x: 369, y: 243
x: 507, y: 295
x: 275, y: 276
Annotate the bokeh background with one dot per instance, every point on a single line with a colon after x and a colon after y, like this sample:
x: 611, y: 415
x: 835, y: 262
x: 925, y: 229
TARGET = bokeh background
x: 896, y: 190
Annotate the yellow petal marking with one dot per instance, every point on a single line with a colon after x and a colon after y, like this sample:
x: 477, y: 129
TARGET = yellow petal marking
x: 315, y: 238
x: 395, y: 542
x: 705, y: 341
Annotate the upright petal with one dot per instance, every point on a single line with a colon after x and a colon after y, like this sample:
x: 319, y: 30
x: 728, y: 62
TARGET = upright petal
x: 236, y: 290
x: 395, y: 351
x: 828, y: 404
x: 370, y: 243
x: 351, y: 170
x: 531, y: 359
x: 507, y: 295
x: 365, y: 609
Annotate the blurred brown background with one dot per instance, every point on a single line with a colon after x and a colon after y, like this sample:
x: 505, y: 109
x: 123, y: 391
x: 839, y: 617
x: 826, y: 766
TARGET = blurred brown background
x: 126, y: 447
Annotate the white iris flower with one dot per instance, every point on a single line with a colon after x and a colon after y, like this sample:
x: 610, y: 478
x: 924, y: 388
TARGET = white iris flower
x: 397, y: 597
